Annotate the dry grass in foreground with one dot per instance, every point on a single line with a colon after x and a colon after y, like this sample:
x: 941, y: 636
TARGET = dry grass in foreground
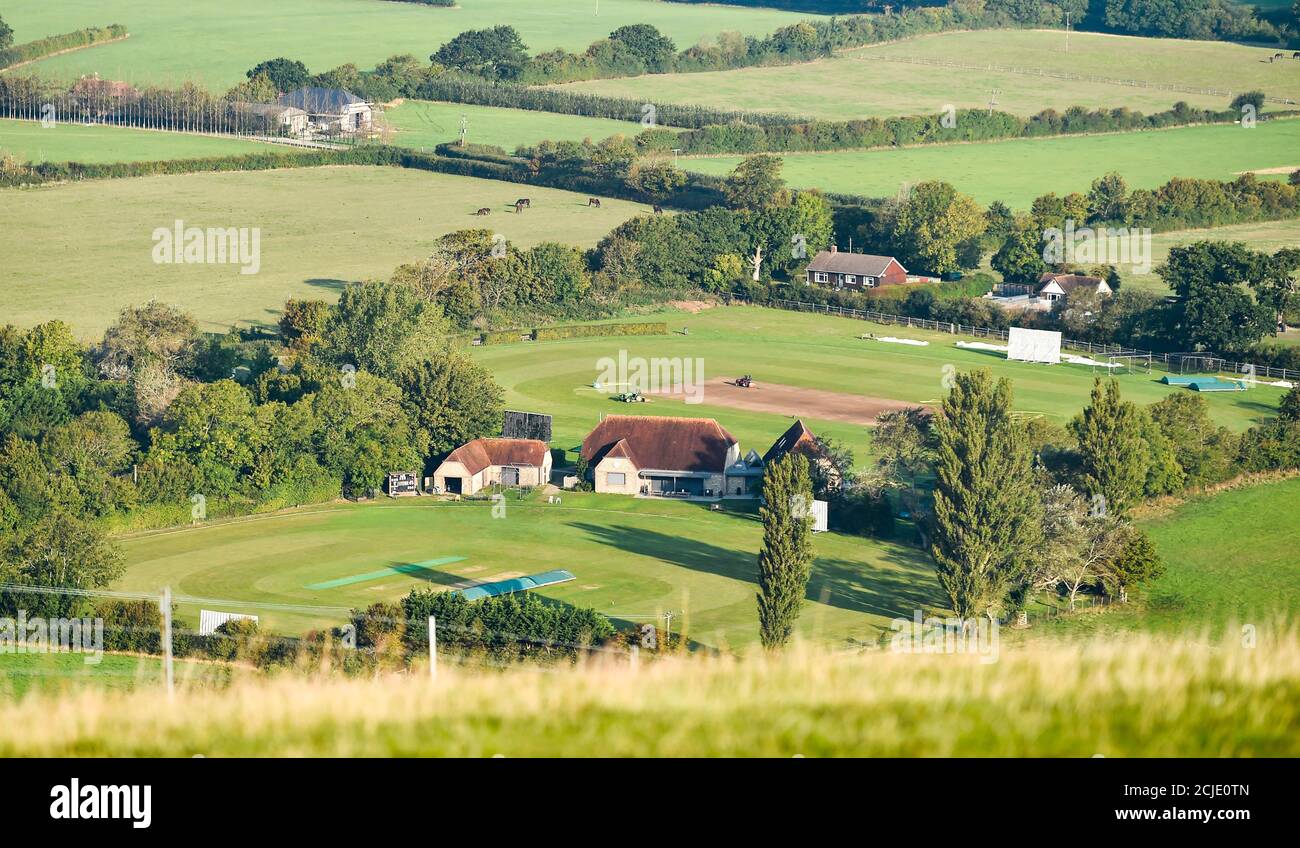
x: 1144, y: 696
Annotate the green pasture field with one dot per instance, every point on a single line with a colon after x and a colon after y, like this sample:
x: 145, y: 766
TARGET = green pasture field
x: 861, y: 83
x: 81, y: 252
x: 28, y: 141
x: 808, y: 350
x: 1020, y: 170
x: 1197, y: 64
x: 633, y: 560
x: 215, y: 43
x: 1231, y: 560
x: 424, y: 124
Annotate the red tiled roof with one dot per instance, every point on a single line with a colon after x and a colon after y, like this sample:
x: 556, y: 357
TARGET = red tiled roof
x: 481, y: 453
x: 660, y: 443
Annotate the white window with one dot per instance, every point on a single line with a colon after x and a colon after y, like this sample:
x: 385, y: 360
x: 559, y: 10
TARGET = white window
x: 616, y: 478
x: 870, y: 281
x: 819, y: 277
x: 850, y: 280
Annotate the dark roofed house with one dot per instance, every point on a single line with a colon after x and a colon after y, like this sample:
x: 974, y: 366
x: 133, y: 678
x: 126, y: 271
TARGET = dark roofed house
x: 800, y: 440
x: 665, y: 456
x: 1054, y: 287
x: 488, y: 462
x: 330, y: 109
x: 855, y: 270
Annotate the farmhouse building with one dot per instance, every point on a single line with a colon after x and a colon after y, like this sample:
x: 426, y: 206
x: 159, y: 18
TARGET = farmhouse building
x: 855, y: 270
x: 669, y: 457
x: 800, y: 440
x: 275, y: 118
x: 1054, y: 287
x: 330, y: 109
x: 488, y: 462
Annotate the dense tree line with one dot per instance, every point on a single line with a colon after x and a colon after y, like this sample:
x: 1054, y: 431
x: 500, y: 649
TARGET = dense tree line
x: 1023, y: 506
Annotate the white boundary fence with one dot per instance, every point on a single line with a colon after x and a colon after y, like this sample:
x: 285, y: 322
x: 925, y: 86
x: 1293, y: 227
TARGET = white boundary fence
x: 1171, y: 362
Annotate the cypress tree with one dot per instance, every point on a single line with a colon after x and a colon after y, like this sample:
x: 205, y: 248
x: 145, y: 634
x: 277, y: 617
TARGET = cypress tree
x: 987, y: 515
x: 785, y: 560
x: 1114, y: 456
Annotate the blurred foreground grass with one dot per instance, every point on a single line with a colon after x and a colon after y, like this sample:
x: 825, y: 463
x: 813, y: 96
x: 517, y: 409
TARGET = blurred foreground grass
x: 1139, y: 696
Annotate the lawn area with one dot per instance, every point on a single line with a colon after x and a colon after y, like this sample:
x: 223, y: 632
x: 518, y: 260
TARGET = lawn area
x: 1230, y: 559
x: 861, y: 83
x: 633, y: 560
x: 81, y: 252
x: 215, y: 43
x: 21, y: 674
x: 424, y: 124
x: 1020, y: 170
x: 29, y: 142
x: 802, y: 349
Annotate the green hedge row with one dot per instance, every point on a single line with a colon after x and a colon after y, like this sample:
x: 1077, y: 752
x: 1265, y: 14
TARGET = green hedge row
x: 56, y: 43
x: 578, y: 331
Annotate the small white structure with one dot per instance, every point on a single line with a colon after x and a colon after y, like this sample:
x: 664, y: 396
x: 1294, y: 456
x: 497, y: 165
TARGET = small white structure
x: 1034, y: 345
x: 209, y: 620
x: 820, y: 512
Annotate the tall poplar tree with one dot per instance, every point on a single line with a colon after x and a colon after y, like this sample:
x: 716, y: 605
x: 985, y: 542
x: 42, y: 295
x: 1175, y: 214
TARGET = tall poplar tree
x: 785, y: 560
x: 987, y: 515
x: 1113, y: 454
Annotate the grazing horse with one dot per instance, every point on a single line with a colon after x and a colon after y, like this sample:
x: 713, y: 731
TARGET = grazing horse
x: 593, y: 201
x: 519, y: 206
x: 659, y: 210
x: 1296, y: 55
x: 485, y: 210
x: 524, y: 201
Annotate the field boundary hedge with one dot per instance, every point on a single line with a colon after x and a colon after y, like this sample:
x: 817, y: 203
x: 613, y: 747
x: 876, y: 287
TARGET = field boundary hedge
x: 20, y: 54
x: 574, y: 331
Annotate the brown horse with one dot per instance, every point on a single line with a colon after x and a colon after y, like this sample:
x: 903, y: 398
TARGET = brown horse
x: 484, y: 210
x: 659, y: 210
x: 593, y: 201
x: 519, y: 206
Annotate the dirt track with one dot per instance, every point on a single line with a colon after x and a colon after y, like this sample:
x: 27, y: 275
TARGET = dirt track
x: 794, y: 401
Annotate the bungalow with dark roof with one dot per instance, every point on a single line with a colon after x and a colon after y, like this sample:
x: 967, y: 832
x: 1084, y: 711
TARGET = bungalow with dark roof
x: 1055, y: 287
x: 855, y: 270
x: 669, y: 457
x: 488, y: 462
x: 330, y: 109
x: 800, y: 440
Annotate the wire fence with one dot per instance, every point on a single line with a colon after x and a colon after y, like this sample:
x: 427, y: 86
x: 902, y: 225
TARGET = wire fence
x: 1172, y: 362
x: 1066, y: 75
x: 99, y: 622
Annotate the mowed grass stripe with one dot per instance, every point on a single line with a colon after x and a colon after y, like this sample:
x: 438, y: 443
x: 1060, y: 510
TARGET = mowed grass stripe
x: 28, y: 141
x: 408, y: 568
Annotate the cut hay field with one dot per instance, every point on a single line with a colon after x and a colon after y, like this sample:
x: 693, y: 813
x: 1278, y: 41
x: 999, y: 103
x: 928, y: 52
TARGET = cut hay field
x: 872, y: 82
x: 215, y: 43
x: 633, y: 560
x: 81, y: 252
x: 811, y: 351
x: 28, y: 141
x: 1020, y: 170
x: 424, y: 124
